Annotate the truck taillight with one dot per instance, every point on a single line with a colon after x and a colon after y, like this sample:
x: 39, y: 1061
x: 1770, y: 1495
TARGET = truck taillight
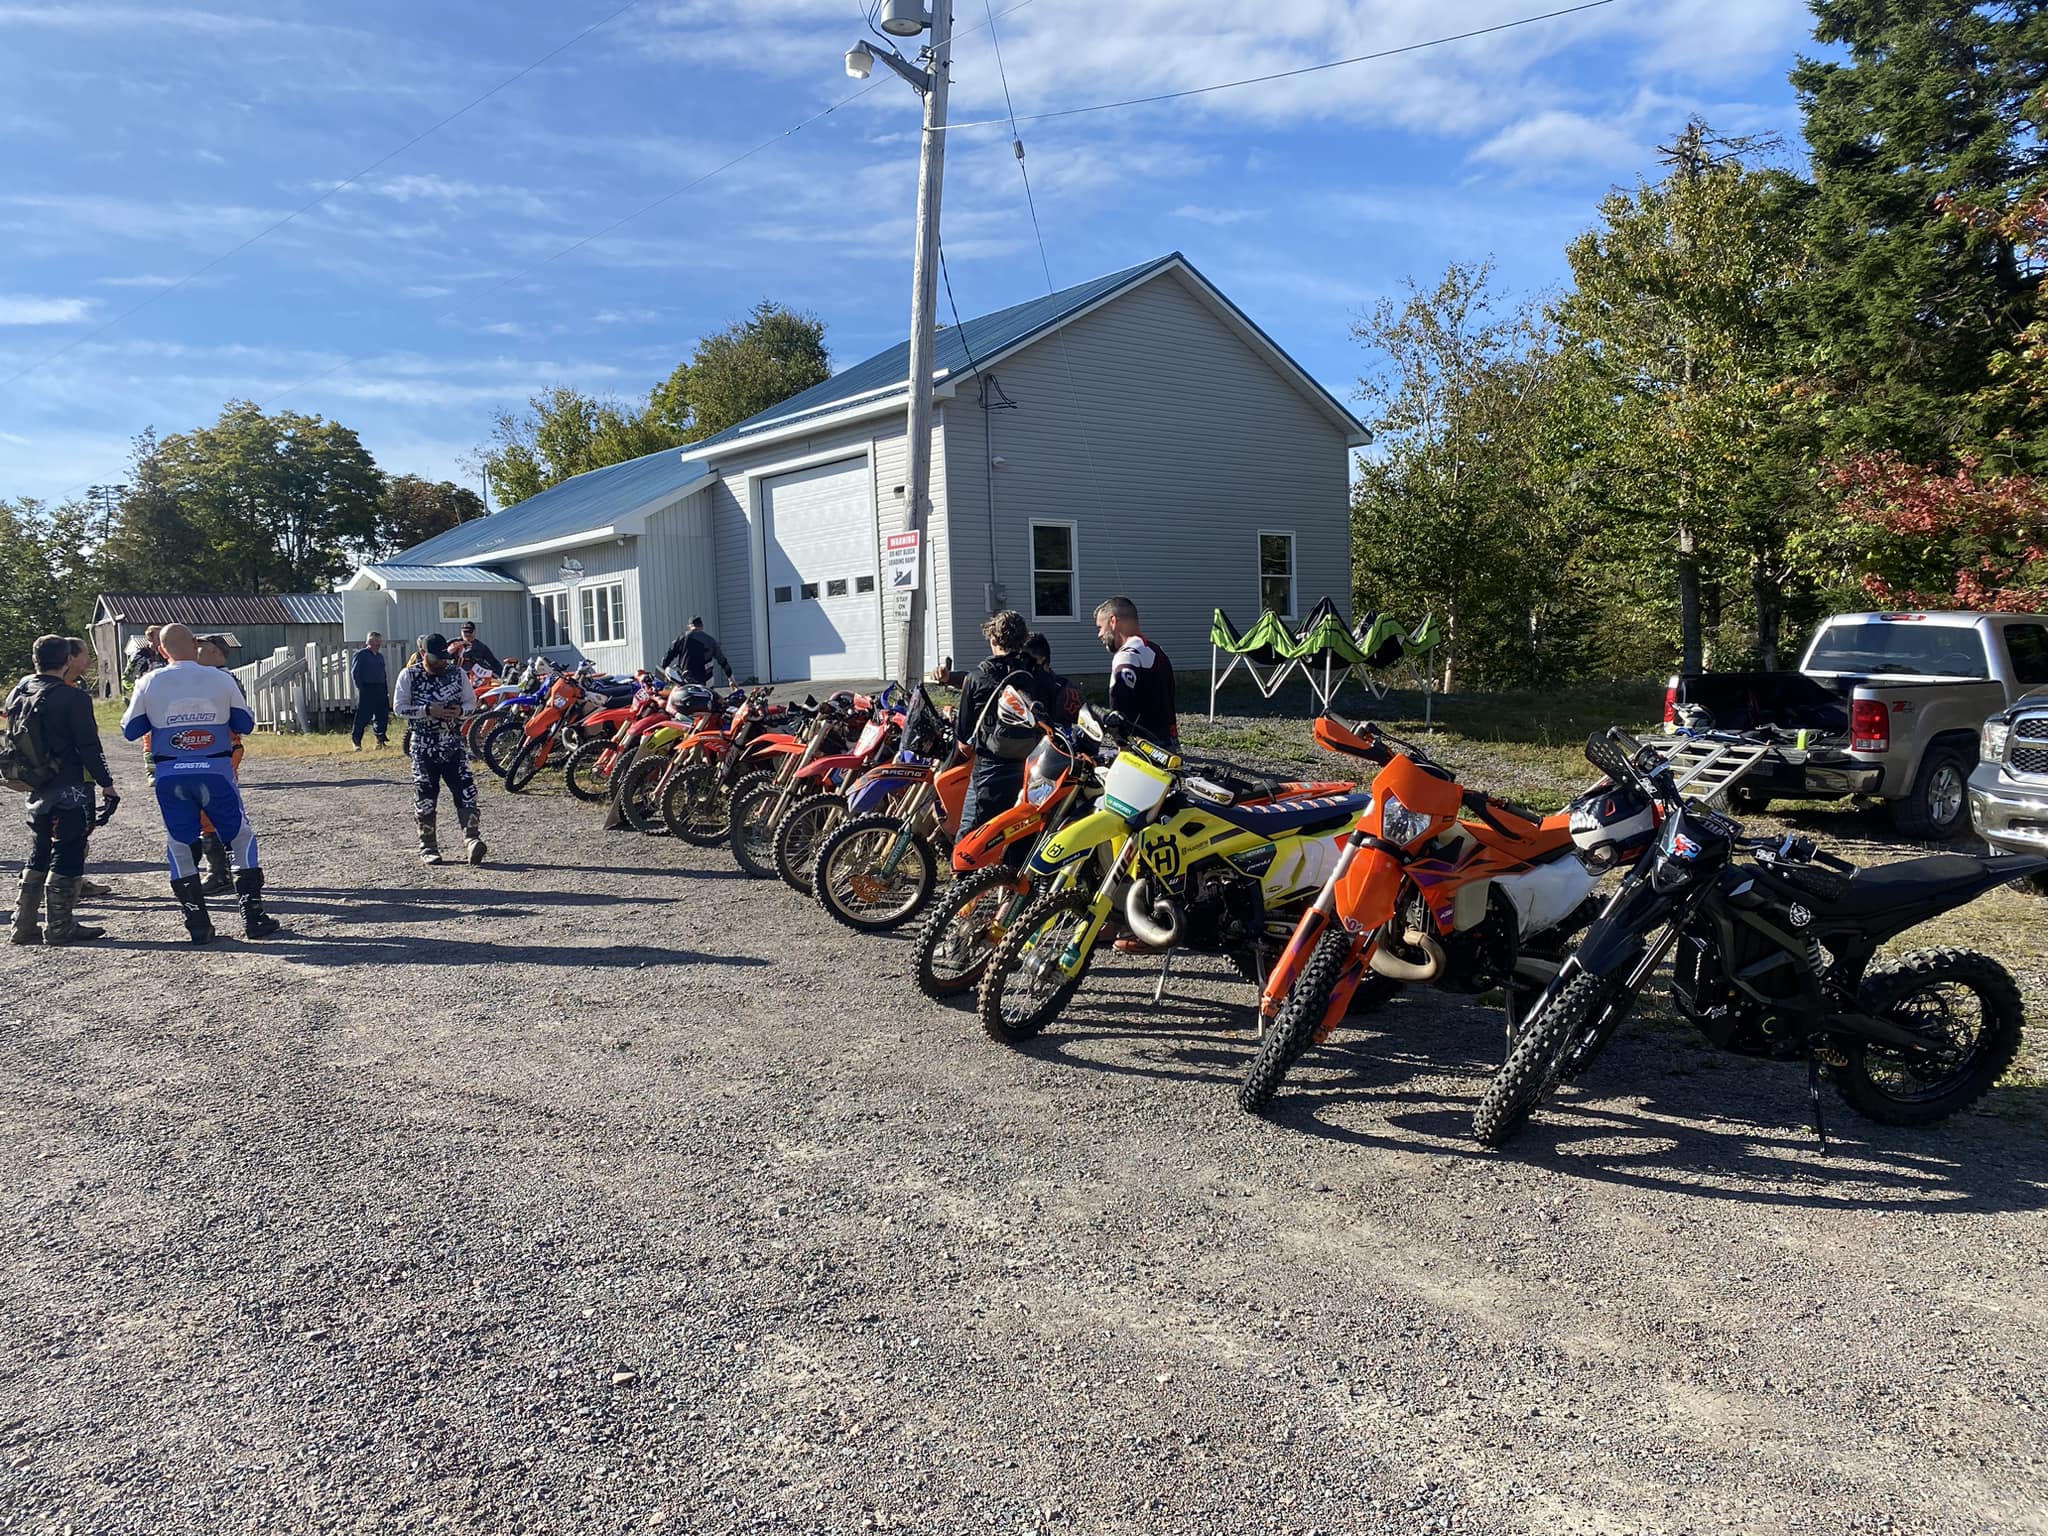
x: 1870, y: 726
x: 1671, y: 705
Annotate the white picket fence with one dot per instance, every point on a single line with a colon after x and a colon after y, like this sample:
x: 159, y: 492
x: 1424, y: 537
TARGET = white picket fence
x: 296, y: 687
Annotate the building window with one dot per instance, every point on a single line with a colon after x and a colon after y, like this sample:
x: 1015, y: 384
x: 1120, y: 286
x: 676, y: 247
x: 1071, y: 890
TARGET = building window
x: 604, y: 613
x: 457, y: 610
x: 836, y: 587
x: 1052, y: 570
x: 810, y: 591
x: 863, y: 583
x: 1276, y: 573
x: 547, y: 615
x: 784, y: 594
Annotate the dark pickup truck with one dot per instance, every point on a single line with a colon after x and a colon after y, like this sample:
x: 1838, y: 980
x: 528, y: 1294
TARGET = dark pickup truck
x: 1883, y: 704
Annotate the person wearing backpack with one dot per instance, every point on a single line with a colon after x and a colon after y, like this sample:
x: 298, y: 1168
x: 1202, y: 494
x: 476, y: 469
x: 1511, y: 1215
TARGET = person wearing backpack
x: 51, y: 745
x: 999, y: 751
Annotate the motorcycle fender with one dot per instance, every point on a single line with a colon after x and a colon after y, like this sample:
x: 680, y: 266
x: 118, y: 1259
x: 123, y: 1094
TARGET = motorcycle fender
x: 1079, y: 838
x: 987, y: 842
x: 1616, y: 940
x: 952, y: 790
x: 543, y: 722
x: 822, y: 767
x: 1370, y: 892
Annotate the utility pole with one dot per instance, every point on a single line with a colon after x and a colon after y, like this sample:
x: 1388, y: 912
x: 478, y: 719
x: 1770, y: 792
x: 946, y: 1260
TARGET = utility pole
x: 924, y: 310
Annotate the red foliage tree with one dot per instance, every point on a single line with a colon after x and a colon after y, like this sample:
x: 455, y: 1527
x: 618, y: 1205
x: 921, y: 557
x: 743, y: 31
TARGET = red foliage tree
x: 1983, y: 536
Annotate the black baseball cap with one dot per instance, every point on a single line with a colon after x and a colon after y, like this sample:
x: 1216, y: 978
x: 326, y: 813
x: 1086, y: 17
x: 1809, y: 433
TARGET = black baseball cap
x: 468, y: 625
x: 435, y: 645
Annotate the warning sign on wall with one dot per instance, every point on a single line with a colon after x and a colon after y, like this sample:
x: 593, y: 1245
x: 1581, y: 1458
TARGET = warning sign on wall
x: 899, y: 559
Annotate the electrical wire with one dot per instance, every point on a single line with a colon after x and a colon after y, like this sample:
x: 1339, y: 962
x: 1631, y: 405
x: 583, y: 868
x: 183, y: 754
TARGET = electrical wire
x: 312, y: 203
x: 1282, y: 74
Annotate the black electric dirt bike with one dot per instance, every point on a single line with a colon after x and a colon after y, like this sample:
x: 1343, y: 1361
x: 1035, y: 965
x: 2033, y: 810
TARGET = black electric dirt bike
x: 1773, y: 959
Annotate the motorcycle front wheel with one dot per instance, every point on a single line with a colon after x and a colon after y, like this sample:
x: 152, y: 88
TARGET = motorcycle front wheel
x: 640, y: 796
x: 584, y: 774
x: 1551, y: 1040
x: 964, y: 928
x: 525, y: 765
x: 750, y: 823
x: 1294, y: 1031
x: 852, y: 883
x: 798, y: 835
x: 693, y: 805
x: 1024, y: 989
x: 502, y: 743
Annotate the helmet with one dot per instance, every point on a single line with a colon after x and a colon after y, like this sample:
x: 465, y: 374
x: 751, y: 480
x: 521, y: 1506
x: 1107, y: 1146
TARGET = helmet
x: 691, y: 699
x: 1611, y: 825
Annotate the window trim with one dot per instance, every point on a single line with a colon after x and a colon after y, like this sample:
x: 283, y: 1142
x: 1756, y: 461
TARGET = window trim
x: 468, y: 603
x: 595, y: 590
x: 1073, y: 568
x: 541, y: 595
x: 1293, y: 569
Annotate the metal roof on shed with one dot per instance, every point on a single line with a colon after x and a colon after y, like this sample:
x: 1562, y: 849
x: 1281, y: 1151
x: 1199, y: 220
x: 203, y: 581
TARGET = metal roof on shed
x: 440, y: 576
x: 211, y: 610
x: 585, y: 503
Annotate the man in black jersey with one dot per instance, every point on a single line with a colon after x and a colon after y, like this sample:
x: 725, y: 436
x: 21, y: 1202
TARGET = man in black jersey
x: 1140, y: 676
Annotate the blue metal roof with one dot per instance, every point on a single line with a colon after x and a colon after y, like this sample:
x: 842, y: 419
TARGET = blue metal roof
x: 582, y: 504
x: 442, y: 575
x: 983, y: 337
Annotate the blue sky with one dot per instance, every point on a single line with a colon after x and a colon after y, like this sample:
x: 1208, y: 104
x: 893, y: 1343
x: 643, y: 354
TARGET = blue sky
x: 142, y: 140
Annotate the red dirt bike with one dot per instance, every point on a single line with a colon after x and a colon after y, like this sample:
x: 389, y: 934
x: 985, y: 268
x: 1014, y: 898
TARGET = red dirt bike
x: 644, y: 754
x: 878, y: 867
x: 609, y: 739
x: 760, y: 795
x: 1436, y: 883
x: 690, y: 793
x: 543, y: 730
x: 819, y: 798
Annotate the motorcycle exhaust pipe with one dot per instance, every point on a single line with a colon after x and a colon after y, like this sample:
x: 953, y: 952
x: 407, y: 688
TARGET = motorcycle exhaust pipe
x: 1155, y: 920
x: 1394, y: 968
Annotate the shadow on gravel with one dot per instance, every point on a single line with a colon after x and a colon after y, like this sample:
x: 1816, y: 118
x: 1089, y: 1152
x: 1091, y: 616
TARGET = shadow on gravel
x: 396, y: 950
x: 415, y: 904
x: 263, y: 784
x: 1728, y: 1130
x: 682, y: 871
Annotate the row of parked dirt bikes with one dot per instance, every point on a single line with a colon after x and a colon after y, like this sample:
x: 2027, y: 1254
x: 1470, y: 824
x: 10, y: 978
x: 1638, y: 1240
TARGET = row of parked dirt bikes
x: 1327, y: 897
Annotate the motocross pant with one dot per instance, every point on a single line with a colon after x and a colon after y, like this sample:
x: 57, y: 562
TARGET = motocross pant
x: 430, y: 773
x: 184, y: 791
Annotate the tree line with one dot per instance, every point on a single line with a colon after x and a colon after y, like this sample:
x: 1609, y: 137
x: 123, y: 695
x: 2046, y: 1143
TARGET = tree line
x: 276, y: 501
x: 1766, y: 394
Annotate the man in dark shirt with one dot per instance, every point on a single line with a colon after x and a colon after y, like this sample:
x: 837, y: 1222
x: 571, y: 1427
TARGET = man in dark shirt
x: 367, y: 669
x: 995, y: 782
x: 697, y: 649
x: 472, y: 652
x: 1140, y: 676
x: 60, y: 811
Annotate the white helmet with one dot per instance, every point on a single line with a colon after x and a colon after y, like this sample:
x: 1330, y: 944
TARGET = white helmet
x: 1612, y: 825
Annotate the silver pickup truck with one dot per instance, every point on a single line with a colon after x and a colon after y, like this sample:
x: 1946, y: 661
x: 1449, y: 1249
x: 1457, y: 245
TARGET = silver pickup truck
x: 1889, y: 705
x: 2009, y: 790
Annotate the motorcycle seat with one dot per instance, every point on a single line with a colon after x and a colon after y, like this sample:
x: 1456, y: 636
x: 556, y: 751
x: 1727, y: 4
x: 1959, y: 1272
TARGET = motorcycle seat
x: 613, y: 689
x: 1271, y: 818
x: 1934, y: 883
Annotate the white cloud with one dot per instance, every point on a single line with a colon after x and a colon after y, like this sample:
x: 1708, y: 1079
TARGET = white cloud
x: 1556, y: 138
x: 1220, y: 217
x: 139, y: 280
x: 26, y: 311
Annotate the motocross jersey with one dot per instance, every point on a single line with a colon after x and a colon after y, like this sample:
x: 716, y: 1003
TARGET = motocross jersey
x: 418, y: 690
x: 190, y: 713
x: 1141, y: 689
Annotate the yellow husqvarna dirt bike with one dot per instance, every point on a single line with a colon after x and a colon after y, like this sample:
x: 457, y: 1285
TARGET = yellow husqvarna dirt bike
x: 1191, y: 859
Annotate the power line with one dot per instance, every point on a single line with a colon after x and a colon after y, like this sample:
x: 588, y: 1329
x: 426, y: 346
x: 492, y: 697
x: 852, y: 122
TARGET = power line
x: 1283, y: 74
x: 308, y: 206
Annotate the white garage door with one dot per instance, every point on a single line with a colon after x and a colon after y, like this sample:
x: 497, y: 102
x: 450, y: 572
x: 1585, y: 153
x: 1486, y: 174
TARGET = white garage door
x: 824, y: 613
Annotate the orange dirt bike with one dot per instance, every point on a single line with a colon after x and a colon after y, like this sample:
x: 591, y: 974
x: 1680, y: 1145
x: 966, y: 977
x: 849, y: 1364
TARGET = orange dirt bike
x: 692, y: 792
x: 608, y: 739
x: 760, y: 795
x: 1436, y: 883
x: 878, y: 867
x: 811, y: 816
x: 649, y: 753
x: 544, y: 728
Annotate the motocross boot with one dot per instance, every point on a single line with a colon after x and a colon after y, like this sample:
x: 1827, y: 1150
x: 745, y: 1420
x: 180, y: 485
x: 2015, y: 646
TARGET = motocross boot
x: 473, y: 837
x: 198, y: 924
x: 220, y: 876
x: 256, y: 923
x: 62, y: 925
x: 430, y: 844
x: 92, y: 890
x: 28, y: 906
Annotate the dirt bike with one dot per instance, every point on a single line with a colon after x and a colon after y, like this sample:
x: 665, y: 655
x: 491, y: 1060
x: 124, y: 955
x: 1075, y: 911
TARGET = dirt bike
x: 693, y: 789
x: 1202, y: 862
x: 877, y: 867
x: 817, y: 798
x: 1772, y: 958
x: 649, y: 754
x: 588, y: 770
x: 1436, y: 883
x: 761, y: 795
x: 542, y: 731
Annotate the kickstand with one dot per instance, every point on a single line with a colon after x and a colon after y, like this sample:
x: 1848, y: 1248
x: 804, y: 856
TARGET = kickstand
x: 1159, y: 989
x: 1820, y: 1120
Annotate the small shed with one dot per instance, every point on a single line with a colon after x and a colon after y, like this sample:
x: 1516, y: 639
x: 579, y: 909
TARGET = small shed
x: 403, y: 602
x: 260, y: 622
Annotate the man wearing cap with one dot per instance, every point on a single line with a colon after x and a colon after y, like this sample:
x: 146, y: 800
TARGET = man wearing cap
x: 472, y: 652
x: 433, y: 696
x: 191, y: 715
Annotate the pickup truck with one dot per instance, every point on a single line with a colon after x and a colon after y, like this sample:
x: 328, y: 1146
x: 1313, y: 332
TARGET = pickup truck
x: 2009, y: 790
x: 1888, y: 705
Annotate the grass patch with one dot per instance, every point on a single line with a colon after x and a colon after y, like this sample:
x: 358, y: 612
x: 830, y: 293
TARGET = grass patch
x: 333, y: 741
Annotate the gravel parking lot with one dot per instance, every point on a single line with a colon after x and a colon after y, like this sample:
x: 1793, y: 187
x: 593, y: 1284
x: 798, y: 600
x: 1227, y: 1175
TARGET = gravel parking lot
x: 600, y: 1189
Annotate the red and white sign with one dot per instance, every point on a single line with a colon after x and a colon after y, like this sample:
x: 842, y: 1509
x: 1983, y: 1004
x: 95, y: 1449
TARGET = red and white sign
x: 899, y: 559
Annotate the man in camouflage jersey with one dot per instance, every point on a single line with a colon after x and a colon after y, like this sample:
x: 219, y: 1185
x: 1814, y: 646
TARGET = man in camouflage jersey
x: 433, y: 696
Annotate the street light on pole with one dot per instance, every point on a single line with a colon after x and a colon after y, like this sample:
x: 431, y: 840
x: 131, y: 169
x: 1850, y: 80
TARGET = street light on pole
x: 907, y: 18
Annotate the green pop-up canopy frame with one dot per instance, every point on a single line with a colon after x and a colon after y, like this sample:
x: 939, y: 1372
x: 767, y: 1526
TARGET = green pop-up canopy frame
x: 1324, y: 649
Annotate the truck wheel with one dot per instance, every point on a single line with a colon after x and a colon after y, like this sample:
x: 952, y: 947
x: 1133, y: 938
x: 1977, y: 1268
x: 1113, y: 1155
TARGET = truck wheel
x: 1937, y: 807
x: 1748, y: 802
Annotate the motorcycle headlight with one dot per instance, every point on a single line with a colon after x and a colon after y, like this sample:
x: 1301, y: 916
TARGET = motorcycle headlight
x: 1399, y: 824
x: 1991, y: 741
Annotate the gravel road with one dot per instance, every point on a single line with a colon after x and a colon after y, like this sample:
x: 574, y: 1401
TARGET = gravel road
x: 602, y: 1190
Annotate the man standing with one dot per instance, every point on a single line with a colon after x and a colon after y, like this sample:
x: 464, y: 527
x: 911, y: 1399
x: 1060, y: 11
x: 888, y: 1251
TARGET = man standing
x: 1140, y: 676
x: 373, y: 690
x: 191, y: 714
x: 433, y: 696
x: 472, y: 652
x: 996, y: 779
x: 696, y: 650
x: 146, y: 657
x: 51, y: 721
x: 220, y: 875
